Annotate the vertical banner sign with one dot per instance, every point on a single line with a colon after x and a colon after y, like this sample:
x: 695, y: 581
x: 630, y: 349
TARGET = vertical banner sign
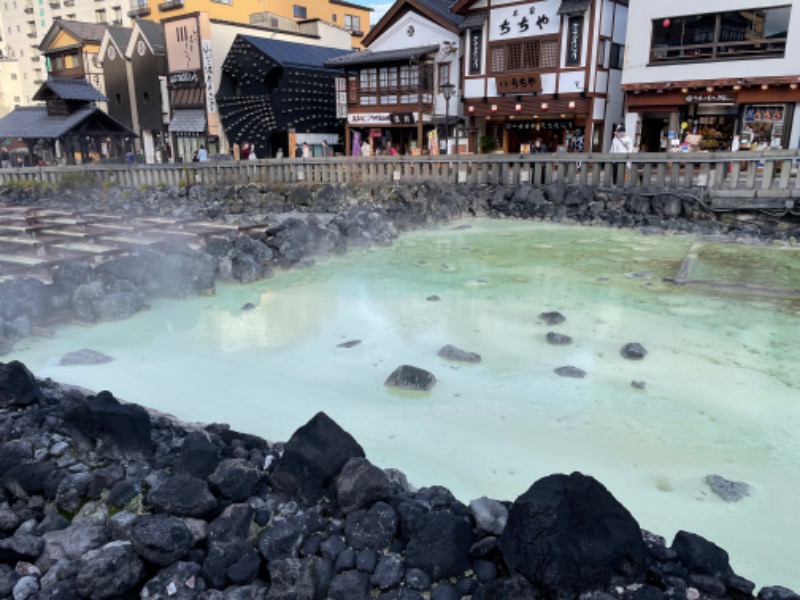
x: 352, y: 90
x: 475, y: 48
x: 208, y: 76
x: 575, y: 40
x: 341, y: 98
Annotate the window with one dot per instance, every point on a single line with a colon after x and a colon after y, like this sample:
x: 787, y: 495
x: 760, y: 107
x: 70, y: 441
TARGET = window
x: 352, y: 23
x: 368, y: 80
x: 524, y: 56
x: 299, y: 12
x: 223, y: 1
x: 334, y: 17
x: 100, y: 15
x: 444, y: 74
x: 617, y: 56
x: 71, y: 17
x: 754, y: 33
x: 14, y: 76
x: 117, y: 14
x: 16, y: 99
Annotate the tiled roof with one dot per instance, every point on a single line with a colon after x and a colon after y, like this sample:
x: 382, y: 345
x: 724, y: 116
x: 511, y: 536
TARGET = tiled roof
x: 442, y: 9
x: 368, y: 57
x: 474, y: 21
x: 87, y: 32
x: 293, y: 54
x: 573, y: 7
x: 34, y: 122
x: 154, y: 32
x: 69, y: 89
x: 121, y: 36
x: 188, y: 120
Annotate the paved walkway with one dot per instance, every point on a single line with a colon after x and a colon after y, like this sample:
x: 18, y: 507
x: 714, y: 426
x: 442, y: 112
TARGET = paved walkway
x: 33, y: 241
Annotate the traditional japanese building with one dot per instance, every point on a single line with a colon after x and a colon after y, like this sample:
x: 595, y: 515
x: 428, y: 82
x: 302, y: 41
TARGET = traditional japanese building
x: 135, y: 69
x: 546, y: 69
x: 404, y: 89
x: 276, y: 95
x: 728, y: 74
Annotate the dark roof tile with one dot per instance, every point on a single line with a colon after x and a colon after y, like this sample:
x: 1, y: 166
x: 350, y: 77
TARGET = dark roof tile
x: 69, y: 89
x: 295, y: 55
x: 368, y: 57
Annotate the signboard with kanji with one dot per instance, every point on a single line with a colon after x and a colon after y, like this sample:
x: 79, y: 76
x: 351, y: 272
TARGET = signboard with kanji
x: 525, y: 20
x: 550, y: 125
x: 574, y: 40
x: 518, y: 84
x: 711, y: 98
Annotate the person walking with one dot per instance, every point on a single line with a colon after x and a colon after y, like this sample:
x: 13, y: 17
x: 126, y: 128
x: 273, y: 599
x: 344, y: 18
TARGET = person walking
x: 366, y: 149
x: 306, y: 150
x: 538, y: 147
x: 5, y: 159
x: 621, y: 142
x: 202, y: 154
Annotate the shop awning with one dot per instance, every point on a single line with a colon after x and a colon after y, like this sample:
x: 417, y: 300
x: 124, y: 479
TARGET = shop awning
x: 188, y: 120
x: 573, y: 7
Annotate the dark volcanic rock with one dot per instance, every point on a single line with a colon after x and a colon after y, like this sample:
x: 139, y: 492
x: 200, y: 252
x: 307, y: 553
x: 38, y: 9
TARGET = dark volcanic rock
x: 313, y: 457
x: 701, y: 556
x: 452, y: 353
x: 439, y: 545
x: 160, y: 539
x: 84, y: 356
x: 411, y: 378
x: 633, y: 351
x: 570, y: 371
x: 180, y: 581
x: 235, y: 479
x: 568, y: 534
x: 108, y: 572
x: 552, y: 318
x: 110, y: 428
x: 182, y: 496
x: 361, y: 483
x: 18, y: 386
x: 198, y: 456
x: 373, y: 528
x: 558, y: 339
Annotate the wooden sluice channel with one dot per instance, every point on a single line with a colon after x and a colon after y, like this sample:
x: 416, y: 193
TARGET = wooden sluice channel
x: 34, y: 241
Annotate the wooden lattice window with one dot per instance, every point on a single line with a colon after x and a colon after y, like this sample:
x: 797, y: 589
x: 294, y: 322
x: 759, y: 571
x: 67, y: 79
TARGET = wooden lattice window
x: 525, y: 56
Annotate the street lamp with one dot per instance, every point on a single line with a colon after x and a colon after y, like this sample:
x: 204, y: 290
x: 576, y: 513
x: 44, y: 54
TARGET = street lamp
x: 447, y: 90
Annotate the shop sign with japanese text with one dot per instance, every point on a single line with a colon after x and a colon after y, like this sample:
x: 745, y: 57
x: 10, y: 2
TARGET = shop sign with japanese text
x: 184, y: 79
x: 574, y: 40
x: 518, y: 84
x: 525, y: 20
x: 475, y: 50
x: 402, y: 118
x: 555, y: 125
x: 711, y: 98
x: 208, y: 74
x: 369, y: 119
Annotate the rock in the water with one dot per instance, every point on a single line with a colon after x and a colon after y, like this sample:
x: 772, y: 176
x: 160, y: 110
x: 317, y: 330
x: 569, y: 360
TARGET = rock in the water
x: 452, y: 353
x: 730, y: 491
x: 348, y: 344
x: 84, y: 356
x: 248, y: 306
x: 558, y: 339
x: 777, y: 592
x: 568, y: 534
x: 433, y: 298
x: 313, y: 457
x: 633, y: 351
x: 570, y: 371
x: 638, y: 384
x: 411, y: 378
x: 552, y: 318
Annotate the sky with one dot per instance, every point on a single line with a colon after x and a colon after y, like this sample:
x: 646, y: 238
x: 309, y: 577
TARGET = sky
x: 379, y: 8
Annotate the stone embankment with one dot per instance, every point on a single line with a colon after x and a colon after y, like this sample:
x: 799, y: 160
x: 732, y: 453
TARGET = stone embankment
x: 304, y: 222
x: 105, y: 500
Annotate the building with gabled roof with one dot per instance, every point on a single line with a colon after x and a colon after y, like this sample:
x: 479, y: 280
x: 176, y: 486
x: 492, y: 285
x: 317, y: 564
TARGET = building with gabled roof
x: 394, y: 89
x: 134, y: 62
x: 69, y: 126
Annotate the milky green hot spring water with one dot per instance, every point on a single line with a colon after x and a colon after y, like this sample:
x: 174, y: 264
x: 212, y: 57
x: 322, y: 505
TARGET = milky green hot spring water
x: 722, y: 384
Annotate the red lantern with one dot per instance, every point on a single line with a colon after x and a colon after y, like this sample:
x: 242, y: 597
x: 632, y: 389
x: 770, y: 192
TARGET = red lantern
x: 667, y: 23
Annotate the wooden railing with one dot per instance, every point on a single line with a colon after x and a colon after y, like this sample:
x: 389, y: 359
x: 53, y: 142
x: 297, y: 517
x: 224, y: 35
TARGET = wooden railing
x: 766, y: 175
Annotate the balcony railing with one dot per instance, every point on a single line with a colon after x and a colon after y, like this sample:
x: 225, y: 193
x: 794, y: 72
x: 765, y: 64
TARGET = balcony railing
x: 28, y: 8
x: 69, y: 2
x: 139, y: 11
x: 749, y: 49
x: 170, y: 5
x: 55, y: 4
x: 31, y: 34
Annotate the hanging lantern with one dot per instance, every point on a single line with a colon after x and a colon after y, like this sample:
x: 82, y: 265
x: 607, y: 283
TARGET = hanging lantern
x: 666, y: 23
